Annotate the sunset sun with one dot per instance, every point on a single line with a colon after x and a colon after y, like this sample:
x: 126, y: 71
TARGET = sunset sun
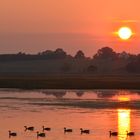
x: 125, y: 33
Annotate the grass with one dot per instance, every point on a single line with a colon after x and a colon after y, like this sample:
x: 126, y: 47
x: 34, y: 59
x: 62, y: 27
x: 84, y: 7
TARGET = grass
x: 71, y: 81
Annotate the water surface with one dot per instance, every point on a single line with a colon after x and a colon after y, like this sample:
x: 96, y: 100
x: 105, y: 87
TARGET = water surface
x: 97, y: 110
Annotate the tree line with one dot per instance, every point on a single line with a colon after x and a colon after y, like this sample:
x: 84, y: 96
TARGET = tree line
x: 105, y: 54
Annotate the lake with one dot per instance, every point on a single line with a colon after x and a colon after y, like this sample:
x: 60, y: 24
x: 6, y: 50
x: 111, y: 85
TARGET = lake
x: 97, y: 110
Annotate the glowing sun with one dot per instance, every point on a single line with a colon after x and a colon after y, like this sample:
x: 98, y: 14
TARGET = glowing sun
x: 125, y: 33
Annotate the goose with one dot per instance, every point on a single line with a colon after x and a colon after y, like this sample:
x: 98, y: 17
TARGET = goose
x: 67, y: 130
x: 130, y: 133
x: 12, y: 133
x: 113, y: 133
x: 46, y: 128
x: 41, y: 134
x: 85, y: 131
x: 31, y: 128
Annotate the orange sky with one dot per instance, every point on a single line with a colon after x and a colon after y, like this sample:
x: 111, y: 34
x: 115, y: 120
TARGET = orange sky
x: 36, y: 25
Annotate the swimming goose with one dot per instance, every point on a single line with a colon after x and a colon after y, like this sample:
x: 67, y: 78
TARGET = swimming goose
x: 113, y: 133
x: 46, y: 128
x: 31, y: 128
x: 130, y: 133
x: 67, y: 130
x: 12, y: 133
x: 84, y: 131
x: 40, y: 134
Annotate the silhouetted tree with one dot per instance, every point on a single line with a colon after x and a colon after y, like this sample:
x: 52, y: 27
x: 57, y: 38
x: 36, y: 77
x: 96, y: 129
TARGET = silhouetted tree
x: 47, y: 52
x: 105, y: 53
x: 134, y: 65
x: 59, y: 53
x: 79, y: 55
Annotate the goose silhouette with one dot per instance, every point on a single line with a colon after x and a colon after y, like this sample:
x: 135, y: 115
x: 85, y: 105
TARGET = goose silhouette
x: 12, y: 133
x: 46, y: 128
x: 86, y: 131
x: 113, y: 133
x: 67, y: 130
x: 30, y: 128
x: 40, y: 134
x: 130, y: 133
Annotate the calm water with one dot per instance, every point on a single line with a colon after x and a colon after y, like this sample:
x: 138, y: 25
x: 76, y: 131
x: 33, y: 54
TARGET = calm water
x: 97, y: 110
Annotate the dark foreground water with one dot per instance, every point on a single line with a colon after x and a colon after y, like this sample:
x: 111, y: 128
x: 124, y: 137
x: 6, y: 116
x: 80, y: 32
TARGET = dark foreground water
x: 97, y: 110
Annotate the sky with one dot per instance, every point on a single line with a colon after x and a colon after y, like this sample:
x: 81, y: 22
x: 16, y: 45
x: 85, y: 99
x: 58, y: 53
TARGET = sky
x: 33, y: 26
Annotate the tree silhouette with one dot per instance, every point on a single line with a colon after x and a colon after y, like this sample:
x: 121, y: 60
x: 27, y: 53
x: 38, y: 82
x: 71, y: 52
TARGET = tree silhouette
x: 59, y: 53
x: 79, y: 55
x: 105, y: 53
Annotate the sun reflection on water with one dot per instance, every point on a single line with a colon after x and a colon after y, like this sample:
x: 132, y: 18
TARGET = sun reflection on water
x: 124, y: 98
x: 123, y: 122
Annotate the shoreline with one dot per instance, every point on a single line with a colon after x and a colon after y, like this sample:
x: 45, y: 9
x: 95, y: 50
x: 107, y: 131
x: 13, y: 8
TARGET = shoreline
x: 71, y: 82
